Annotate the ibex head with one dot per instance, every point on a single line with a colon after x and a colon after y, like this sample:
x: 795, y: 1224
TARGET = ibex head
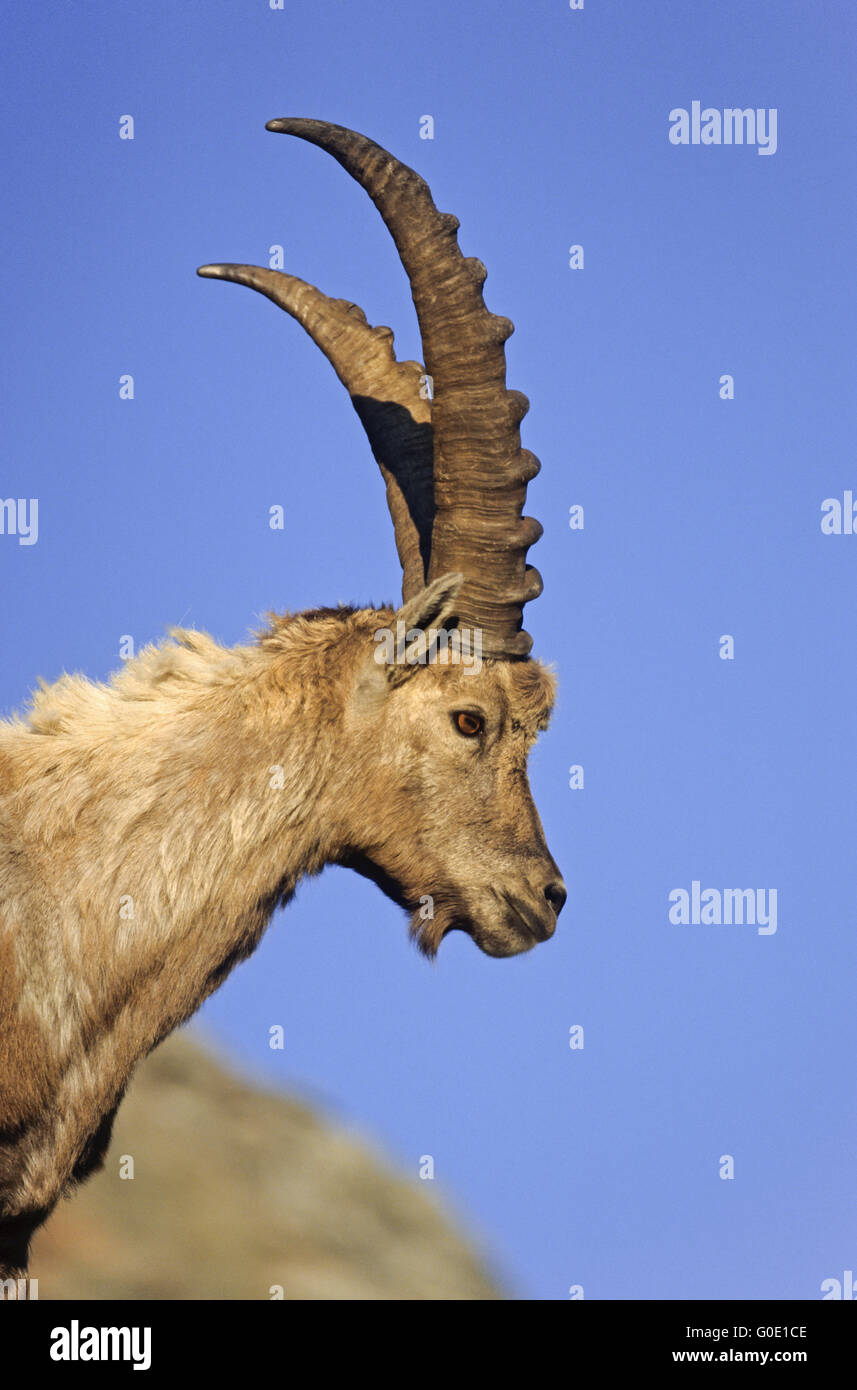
x: 448, y: 702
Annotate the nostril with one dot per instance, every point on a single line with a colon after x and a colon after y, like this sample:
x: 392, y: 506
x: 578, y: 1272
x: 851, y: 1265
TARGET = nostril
x: 556, y: 895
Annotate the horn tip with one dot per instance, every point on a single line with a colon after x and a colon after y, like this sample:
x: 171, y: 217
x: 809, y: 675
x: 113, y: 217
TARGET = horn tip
x: 286, y: 125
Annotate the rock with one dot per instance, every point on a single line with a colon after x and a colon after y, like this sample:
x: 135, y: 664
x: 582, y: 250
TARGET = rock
x: 237, y: 1190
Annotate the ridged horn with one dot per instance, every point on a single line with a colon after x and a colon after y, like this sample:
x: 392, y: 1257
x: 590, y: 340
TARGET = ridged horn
x: 480, y: 470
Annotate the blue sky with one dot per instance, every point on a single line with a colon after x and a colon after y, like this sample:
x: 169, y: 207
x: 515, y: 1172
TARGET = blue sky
x: 597, y: 1167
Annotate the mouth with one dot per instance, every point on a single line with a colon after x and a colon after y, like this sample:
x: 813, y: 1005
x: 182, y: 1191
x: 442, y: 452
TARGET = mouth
x: 515, y: 929
x: 512, y: 928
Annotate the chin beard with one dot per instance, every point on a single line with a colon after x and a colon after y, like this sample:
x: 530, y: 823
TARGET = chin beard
x: 432, y: 916
x: 427, y: 932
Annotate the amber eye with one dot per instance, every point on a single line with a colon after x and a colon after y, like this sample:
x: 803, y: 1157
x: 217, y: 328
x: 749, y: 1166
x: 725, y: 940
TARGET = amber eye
x: 468, y: 723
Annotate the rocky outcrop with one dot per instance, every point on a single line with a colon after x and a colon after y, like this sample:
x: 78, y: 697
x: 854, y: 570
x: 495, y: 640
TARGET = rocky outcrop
x: 239, y: 1191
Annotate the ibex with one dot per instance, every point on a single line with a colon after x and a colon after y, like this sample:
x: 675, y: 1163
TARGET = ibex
x: 150, y: 827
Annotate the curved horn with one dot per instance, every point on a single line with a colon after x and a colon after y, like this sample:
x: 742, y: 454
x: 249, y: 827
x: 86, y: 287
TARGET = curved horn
x: 385, y: 393
x: 480, y: 470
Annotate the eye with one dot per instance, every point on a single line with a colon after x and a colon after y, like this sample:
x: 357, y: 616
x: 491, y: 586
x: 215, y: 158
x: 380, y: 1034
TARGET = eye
x: 468, y: 723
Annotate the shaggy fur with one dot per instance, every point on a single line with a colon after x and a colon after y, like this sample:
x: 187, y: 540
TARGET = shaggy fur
x: 150, y: 826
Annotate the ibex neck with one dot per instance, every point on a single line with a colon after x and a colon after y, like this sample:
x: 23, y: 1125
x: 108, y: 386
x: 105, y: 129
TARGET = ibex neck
x: 168, y: 814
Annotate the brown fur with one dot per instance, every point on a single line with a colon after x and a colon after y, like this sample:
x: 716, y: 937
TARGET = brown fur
x: 200, y: 784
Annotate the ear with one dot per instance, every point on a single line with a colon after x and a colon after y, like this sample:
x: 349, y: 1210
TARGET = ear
x: 432, y: 605
x: 429, y: 609
x: 399, y: 651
